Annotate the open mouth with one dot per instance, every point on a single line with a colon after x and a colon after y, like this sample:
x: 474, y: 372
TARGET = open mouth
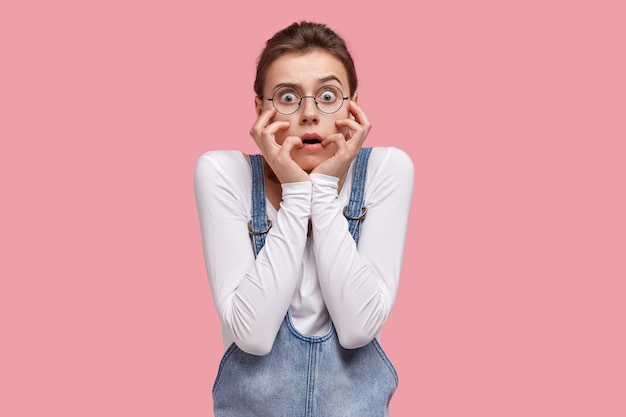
x: 311, y: 141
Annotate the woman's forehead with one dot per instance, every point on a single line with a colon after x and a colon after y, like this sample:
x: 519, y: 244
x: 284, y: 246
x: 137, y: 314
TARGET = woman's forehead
x: 304, y: 70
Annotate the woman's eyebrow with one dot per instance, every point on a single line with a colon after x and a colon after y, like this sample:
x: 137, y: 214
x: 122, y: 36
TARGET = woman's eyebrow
x: 330, y: 78
x: 290, y: 85
x: 299, y: 86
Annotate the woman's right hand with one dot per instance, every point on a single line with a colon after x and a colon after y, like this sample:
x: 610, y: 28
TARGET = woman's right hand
x: 277, y: 156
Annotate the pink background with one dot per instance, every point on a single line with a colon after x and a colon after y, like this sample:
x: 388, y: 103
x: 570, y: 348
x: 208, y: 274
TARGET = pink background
x: 512, y: 295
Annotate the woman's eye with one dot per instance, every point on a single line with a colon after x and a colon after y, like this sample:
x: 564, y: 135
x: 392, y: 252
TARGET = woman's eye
x: 288, y: 97
x: 327, y: 95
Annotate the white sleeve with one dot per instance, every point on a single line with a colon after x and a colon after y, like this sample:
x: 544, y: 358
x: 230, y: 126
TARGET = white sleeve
x: 251, y: 295
x: 359, y: 286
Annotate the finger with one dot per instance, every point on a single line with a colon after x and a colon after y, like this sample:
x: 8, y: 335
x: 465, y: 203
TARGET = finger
x: 274, y: 127
x: 345, y: 149
x: 262, y: 121
x: 358, y: 113
x: 338, y: 138
x: 290, y: 143
x: 349, y: 123
x: 358, y: 133
x: 267, y: 139
x: 264, y: 133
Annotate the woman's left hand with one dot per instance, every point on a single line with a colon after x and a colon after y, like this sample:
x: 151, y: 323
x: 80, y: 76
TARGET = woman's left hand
x: 348, y: 146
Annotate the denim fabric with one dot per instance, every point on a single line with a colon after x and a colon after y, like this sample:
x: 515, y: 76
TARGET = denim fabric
x: 308, y: 376
x: 354, y: 209
x: 259, y: 224
x: 305, y: 376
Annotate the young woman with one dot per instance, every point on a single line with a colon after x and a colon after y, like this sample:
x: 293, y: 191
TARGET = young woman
x: 303, y: 243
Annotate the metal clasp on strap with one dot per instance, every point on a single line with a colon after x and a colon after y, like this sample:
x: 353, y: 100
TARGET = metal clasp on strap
x: 251, y: 229
x: 361, y: 217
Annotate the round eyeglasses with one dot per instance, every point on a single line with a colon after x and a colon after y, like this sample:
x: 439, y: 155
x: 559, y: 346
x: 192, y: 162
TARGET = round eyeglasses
x: 328, y: 99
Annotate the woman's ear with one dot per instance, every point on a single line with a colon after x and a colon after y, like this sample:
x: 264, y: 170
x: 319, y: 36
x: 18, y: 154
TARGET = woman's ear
x: 355, y: 97
x: 258, y: 106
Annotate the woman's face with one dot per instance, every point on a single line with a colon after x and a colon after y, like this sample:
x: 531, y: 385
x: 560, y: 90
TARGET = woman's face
x: 304, y: 75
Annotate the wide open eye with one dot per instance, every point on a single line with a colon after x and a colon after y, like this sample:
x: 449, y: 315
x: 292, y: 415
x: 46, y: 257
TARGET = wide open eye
x: 327, y: 94
x: 288, y: 96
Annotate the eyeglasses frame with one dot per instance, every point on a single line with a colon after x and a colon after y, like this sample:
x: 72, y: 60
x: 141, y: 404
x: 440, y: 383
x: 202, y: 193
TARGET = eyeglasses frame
x: 313, y: 97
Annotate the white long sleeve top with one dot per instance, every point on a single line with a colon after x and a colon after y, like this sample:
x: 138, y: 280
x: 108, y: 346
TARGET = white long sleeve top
x: 316, y: 278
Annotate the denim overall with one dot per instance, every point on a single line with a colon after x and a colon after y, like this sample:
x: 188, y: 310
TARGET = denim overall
x: 305, y: 376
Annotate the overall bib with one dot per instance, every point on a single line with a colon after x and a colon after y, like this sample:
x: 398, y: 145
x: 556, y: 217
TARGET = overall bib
x: 305, y: 376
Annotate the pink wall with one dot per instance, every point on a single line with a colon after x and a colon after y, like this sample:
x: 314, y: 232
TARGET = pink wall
x: 512, y: 296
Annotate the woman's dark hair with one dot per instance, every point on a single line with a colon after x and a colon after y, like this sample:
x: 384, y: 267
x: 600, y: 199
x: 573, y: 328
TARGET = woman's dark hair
x: 301, y: 38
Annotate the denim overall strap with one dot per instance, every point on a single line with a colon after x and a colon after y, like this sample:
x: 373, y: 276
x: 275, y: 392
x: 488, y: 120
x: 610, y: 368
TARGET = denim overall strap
x: 355, y: 211
x: 260, y: 224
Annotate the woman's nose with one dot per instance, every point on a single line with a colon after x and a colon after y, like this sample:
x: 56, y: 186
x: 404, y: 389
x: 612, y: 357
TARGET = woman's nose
x: 308, y: 110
